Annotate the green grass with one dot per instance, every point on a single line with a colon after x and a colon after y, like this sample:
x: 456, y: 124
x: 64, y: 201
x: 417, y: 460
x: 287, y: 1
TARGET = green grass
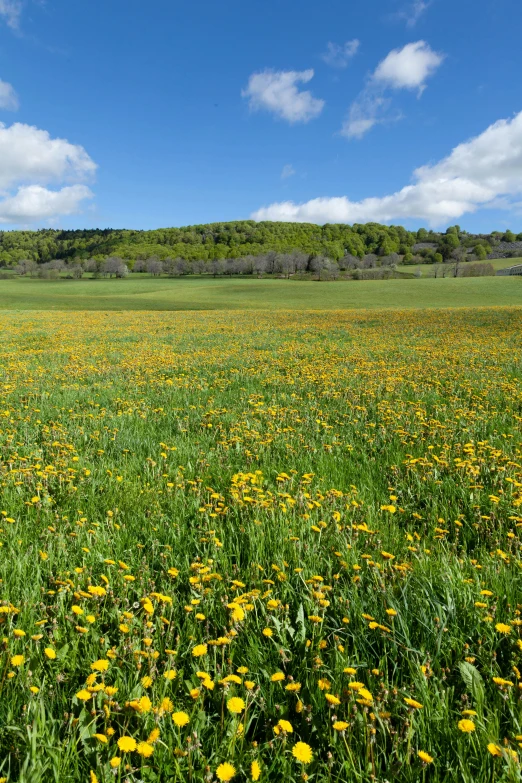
x: 210, y: 294
x: 332, y: 496
x: 428, y: 269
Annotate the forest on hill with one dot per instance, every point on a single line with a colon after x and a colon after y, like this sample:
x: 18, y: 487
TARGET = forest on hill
x: 240, y: 239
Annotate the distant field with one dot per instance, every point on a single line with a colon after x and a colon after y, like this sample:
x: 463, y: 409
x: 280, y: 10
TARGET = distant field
x: 235, y: 293
x: 427, y: 269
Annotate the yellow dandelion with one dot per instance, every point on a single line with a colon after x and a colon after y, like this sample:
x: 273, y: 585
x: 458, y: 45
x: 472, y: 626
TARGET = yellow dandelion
x: 84, y: 695
x: 412, y: 703
x: 302, y: 752
x: 235, y: 705
x: 425, y: 757
x: 127, y: 744
x: 153, y: 736
x: 144, y: 749
x: 100, y: 666
x: 180, y: 718
x: 225, y: 772
x: 467, y: 726
x: 333, y: 700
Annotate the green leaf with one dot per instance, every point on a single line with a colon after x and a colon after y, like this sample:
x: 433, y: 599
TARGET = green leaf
x: 474, y: 683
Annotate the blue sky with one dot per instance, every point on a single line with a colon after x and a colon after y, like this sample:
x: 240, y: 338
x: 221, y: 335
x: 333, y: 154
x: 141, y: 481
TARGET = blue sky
x: 125, y: 114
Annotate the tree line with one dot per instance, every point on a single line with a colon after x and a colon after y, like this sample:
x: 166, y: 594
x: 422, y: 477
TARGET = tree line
x: 240, y: 240
x: 297, y: 263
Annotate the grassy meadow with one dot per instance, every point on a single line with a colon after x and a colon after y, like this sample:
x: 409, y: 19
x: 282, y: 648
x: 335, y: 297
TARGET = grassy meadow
x: 261, y: 545
x: 193, y: 293
x: 428, y: 270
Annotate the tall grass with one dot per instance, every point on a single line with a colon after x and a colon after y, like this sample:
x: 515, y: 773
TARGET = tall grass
x: 194, y: 503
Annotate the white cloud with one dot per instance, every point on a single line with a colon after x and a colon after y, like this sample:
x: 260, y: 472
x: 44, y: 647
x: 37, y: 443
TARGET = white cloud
x: 30, y: 160
x: 370, y: 108
x: 8, y: 97
x: 483, y: 171
x: 288, y: 171
x: 277, y: 92
x: 30, y: 155
x: 338, y: 56
x: 409, y: 67
x: 414, y: 12
x: 10, y: 10
x: 33, y: 203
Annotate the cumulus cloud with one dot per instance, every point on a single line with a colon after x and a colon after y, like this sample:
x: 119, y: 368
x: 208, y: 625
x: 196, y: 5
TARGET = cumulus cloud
x: 339, y: 55
x: 288, y: 171
x: 30, y: 161
x: 8, y: 97
x: 28, y: 154
x: 484, y: 170
x: 33, y: 203
x: 10, y: 10
x: 407, y: 68
x: 277, y: 92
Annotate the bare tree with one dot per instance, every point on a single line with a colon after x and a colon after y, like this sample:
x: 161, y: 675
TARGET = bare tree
x: 300, y: 261
x: 217, y: 266
x: 324, y: 268
x: 47, y: 271
x: 391, y: 260
x: 260, y: 265
x: 198, y: 267
x: 26, y: 267
x: 93, y: 265
x: 248, y: 265
x: 154, y: 266
x: 271, y: 257
x: 349, y: 262
x: 459, y: 255
x: 114, y: 266
x: 369, y: 261
x: 76, y: 269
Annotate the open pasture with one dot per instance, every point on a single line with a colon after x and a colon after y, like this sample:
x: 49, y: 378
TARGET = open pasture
x: 261, y: 545
x: 204, y: 293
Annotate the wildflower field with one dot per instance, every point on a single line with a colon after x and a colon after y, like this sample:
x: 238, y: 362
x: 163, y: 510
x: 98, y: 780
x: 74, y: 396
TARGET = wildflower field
x: 261, y: 546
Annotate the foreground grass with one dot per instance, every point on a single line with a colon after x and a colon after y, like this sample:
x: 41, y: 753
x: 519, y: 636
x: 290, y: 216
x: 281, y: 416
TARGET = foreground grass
x: 219, y: 294
x: 227, y: 534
